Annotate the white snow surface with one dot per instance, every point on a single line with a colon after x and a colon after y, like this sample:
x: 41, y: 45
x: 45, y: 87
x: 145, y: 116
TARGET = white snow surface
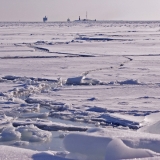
x: 7, y: 152
x: 111, y: 144
x: 80, y: 90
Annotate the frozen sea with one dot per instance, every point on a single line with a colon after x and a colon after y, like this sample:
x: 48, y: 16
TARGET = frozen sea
x: 80, y: 90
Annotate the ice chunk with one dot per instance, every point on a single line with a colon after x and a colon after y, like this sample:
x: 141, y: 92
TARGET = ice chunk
x: 33, y: 134
x: 75, y: 80
x: 9, y: 134
x: 119, y: 120
x: 116, y: 149
x: 112, y: 144
x: 5, y: 121
x: 152, y: 128
x: 49, y: 125
x: 90, y: 146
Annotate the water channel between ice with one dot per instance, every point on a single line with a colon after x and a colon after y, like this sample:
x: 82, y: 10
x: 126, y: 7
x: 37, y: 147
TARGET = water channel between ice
x: 56, y: 142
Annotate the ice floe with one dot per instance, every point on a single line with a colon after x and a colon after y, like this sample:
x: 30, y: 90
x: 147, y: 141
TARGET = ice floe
x: 49, y: 125
x: 8, y: 152
x: 126, y: 145
x: 27, y: 133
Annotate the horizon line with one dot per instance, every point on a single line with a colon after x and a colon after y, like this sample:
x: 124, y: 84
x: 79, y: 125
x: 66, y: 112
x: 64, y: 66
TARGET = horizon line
x: 83, y: 21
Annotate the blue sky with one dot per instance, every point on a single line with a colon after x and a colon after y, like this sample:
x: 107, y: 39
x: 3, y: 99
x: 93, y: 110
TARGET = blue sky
x: 60, y: 10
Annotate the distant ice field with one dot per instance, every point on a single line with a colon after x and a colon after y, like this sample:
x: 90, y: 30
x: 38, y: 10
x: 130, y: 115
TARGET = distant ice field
x: 80, y: 90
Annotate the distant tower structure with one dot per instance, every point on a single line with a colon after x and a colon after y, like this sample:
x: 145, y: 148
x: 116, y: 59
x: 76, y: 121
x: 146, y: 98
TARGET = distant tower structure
x: 86, y: 15
x: 45, y: 19
x: 79, y: 18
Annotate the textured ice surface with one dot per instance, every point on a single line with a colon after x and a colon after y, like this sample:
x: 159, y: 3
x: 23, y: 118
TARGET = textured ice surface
x: 101, y: 143
x: 27, y: 133
x: 8, y: 152
x: 60, y: 78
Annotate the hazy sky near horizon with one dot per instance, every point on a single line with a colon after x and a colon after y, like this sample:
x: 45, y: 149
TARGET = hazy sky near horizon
x: 60, y: 10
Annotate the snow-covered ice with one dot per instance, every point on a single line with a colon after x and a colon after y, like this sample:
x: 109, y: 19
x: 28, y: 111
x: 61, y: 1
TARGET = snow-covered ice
x: 80, y: 90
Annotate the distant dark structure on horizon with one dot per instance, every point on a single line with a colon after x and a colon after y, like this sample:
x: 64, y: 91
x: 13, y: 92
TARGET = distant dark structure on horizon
x: 45, y: 19
x: 68, y: 20
x: 86, y: 19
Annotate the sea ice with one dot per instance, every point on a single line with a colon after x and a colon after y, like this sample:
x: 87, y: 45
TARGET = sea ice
x: 112, y: 144
x: 55, y: 86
